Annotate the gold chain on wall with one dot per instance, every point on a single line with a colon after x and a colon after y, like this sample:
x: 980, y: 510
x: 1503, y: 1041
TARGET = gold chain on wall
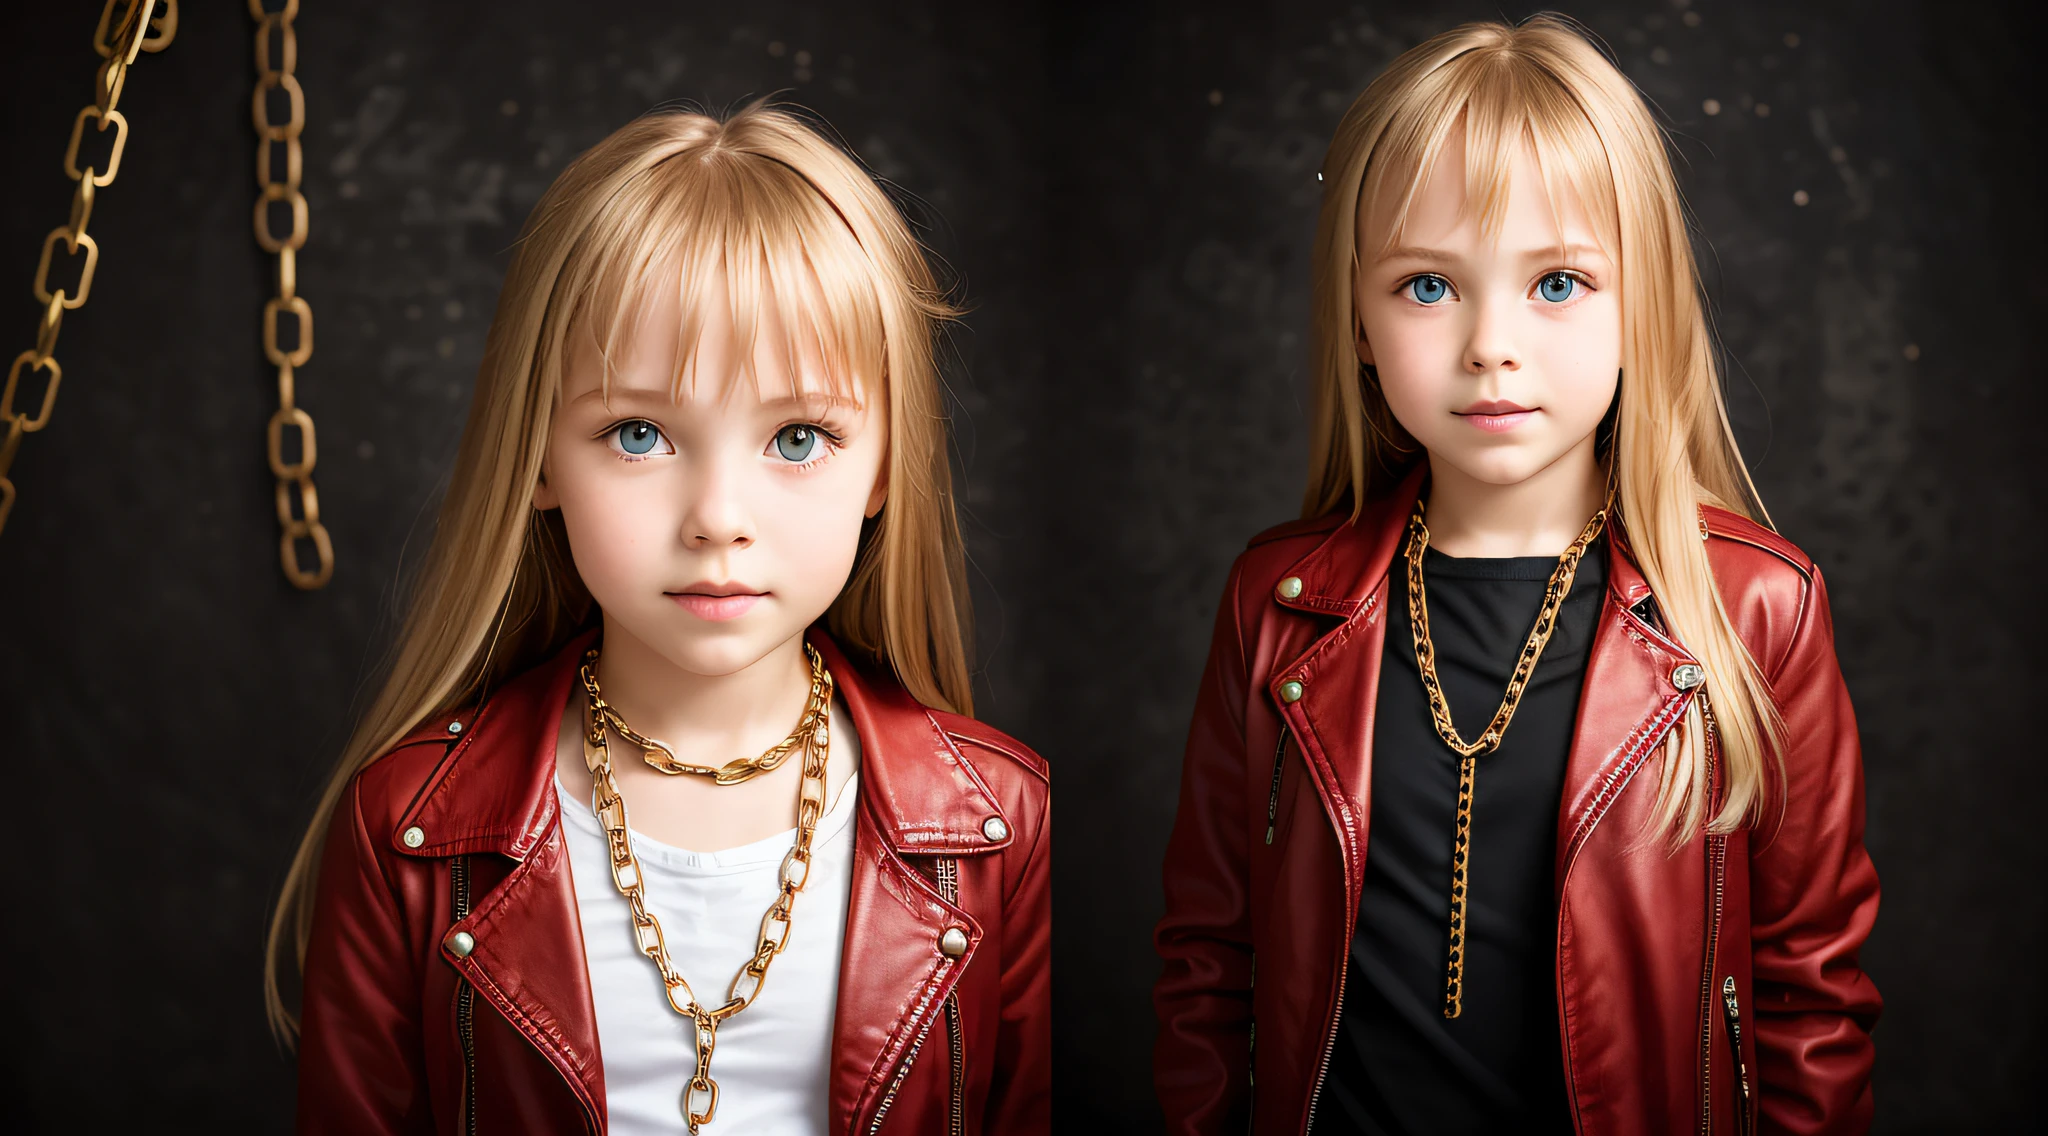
x: 294, y: 479
x: 126, y: 28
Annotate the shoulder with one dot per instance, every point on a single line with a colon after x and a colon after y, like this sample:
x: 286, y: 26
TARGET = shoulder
x: 1270, y: 552
x: 386, y: 789
x: 996, y: 755
x: 1767, y: 583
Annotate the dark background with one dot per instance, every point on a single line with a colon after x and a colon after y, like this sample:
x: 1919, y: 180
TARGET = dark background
x: 1125, y: 194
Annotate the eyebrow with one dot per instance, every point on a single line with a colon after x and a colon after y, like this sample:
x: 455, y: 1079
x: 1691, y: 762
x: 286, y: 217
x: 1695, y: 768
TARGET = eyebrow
x: 1545, y: 252
x: 805, y: 400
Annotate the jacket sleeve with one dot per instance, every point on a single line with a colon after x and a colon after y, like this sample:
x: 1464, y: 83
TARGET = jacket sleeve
x: 1020, y: 1090
x: 1201, y: 1064
x: 360, y: 1066
x: 1813, y: 900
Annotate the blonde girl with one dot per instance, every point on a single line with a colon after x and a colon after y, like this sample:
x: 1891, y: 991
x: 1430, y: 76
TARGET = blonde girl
x: 699, y: 555
x: 1523, y: 791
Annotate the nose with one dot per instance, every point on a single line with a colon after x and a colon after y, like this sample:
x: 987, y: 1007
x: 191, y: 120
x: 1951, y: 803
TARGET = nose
x: 1491, y: 345
x: 716, y: 515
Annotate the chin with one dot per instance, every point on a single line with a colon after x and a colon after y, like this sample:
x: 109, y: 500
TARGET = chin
x: 710, y: 647
x: 1499, y: 465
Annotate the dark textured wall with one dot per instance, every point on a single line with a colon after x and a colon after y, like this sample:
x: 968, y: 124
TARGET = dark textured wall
x: 1127, y: 195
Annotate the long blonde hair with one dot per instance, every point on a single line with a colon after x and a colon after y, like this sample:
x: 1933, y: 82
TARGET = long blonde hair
x: 1543, y: 83
x: 793, y: 226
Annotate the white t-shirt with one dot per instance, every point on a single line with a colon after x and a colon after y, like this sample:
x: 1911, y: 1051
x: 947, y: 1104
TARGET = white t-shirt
x: 774, y: 1057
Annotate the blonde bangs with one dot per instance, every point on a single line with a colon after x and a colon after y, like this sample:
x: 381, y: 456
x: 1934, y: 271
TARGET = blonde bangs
x: 1501, y: 108
x: 726, y: 236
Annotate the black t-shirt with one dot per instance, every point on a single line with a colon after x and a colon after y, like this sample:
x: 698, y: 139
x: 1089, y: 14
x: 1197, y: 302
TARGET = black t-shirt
x: 1399, y: 1066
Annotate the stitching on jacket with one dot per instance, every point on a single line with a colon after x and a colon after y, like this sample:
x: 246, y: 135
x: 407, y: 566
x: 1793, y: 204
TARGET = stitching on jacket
x: 1726, y: 530
x: 534, y: 1032
x: 1022, y: 754
x: 1633, y: 749
x: 899, y: 1042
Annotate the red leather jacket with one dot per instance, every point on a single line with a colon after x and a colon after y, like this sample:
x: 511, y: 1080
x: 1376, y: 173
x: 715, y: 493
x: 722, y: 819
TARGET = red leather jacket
x: 401, y: 1035
x: 1268, y: 855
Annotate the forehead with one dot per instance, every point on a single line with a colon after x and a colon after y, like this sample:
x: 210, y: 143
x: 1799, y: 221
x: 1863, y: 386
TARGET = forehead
x: 1506, y: 198
x: 696, y: 340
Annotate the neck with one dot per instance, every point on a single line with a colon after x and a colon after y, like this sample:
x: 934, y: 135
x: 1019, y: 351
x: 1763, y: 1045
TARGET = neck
x: 1538, y: 516
x: 707, y: 718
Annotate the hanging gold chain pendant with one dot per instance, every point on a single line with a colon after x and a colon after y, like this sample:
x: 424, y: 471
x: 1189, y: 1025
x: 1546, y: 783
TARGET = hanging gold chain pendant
x: 700, y: 1099
x: 1554, y: 594
x: 126, y: 29
x: 276, y: 73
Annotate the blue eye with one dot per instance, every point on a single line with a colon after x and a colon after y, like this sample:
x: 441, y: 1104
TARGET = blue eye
x: 1557, y: 287
x: 1428, y: 289
x: 638, y: 437
x: 796, y: 443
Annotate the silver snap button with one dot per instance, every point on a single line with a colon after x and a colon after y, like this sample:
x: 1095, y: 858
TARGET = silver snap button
x: 995, y: 829
x: 953, y: 942
x: 414, y: 836
x: 1290, y: 691
x: 1685, y: 676
x: 461, y: 943
x: 1290, y: 588
x: 454, y: 727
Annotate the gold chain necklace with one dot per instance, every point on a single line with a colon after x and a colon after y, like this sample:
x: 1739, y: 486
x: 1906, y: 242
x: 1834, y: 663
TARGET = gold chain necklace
x: 1440, y: 712
x: 660, y: 757
x: 700, y: 1101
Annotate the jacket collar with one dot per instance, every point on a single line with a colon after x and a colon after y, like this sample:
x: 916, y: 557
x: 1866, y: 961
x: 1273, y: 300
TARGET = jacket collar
x: 494, y: 791
x: 1339, y: 575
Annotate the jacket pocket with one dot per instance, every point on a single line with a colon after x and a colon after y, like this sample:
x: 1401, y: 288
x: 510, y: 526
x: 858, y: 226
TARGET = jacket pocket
x: 1273, y: 790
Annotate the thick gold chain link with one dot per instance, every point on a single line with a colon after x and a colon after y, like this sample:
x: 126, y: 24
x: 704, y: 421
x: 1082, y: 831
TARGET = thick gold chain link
x: 812, y: 735
x: 661, y: 757
x: 1554, y: 593
x: 126, y: 29
x: 294, y: 479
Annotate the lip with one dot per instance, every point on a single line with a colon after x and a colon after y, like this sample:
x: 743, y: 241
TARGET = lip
x: 716, y: 602
x: 1497, y: 416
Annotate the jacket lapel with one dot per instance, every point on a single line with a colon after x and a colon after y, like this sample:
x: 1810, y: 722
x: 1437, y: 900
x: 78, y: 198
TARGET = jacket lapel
x: 1331, y: 718
x: 919, y: 796
x: 1628, y: 702
x: 494, y: 794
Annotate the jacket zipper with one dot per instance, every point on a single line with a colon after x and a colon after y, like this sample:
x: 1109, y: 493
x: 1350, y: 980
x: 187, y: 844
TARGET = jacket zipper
x: 1329, y: 1044
x: 948, y: 871
x: 465, y: 998
x: 1717, y: 856
x: 947, y: 874
x: 1731, y: 1005
x: 1717, y: 861
x: 1273, y: 796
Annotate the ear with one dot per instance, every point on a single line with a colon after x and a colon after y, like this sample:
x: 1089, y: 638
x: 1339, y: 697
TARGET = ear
x: 1359, y: 342
x: 544, y: 495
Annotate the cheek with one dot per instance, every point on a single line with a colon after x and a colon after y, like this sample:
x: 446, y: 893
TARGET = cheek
x: 814, y: 520
x: 616, y: 525
x: 1582, y: 359
x: 1415, y: 355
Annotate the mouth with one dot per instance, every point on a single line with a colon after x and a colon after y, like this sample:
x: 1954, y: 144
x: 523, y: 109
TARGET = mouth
x: 717, y: 602
x: 1496, y: 417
